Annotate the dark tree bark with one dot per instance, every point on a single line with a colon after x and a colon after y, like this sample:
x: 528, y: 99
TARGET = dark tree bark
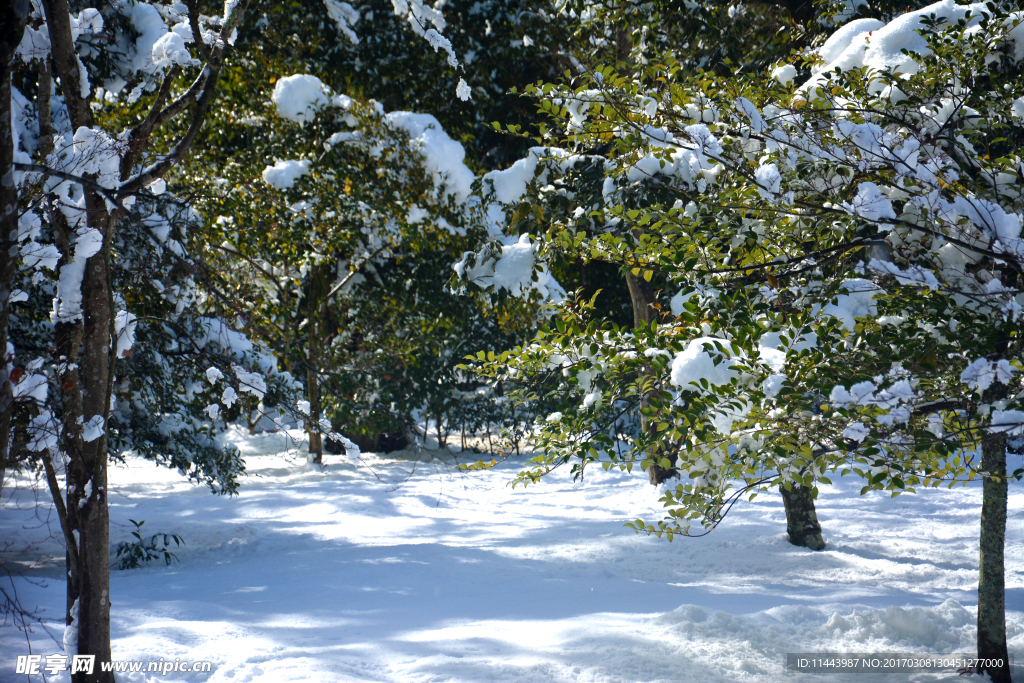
x: 801, y: 518
x: 13, y: 19
x: 991, y: 579
x: 316, y: 312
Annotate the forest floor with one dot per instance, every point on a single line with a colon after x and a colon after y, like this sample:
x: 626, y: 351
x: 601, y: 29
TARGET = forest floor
x: 389, y: 569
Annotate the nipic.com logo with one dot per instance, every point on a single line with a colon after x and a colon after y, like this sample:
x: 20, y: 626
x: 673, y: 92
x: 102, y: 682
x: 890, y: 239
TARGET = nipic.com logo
x: 35, y: 665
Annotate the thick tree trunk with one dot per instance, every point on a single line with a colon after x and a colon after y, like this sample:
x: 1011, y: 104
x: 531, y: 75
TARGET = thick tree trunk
x: 991, y: 582
x: 13, y: 18
x: 801, y: 518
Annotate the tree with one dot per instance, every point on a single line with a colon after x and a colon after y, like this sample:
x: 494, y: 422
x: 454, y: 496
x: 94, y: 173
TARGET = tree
x: 12, y: 28
x: 339, y: 258
x: 91, y: 206
x: 370, y: 389
x: 848, y: 257
x: 710, y: 37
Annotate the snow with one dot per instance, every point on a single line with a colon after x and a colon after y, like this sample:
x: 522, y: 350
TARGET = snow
x: 1016, y: 34
x: 40, y: 255
x: 70, y: 639
x: 35, y: 44
x: 784, y: 74
x: 980, y: 374
x: 344, y: 16
x: 299, y: 97
x: 250, y: 382
x: 283, y: 174
x: 513, y: 270
x: 869, y: 43
x: 889, y: 44
x: 331, y: 575
x: 150, y: 27
x: 695, y: 363
x: 67, y: 305
x: 437, y: 41
x: 442, y: 156
x: 870, y: 203
x: 43, y: 432
x: 853, y: 33
x: 773, y: 385
x: 515, y: 267
x: 857, y: 432
x: 1009, y: 421
x: 859, y: 303
x: 769, y: 180
x: 32, y: 386
x: 170, y: 49
x: 509, y: 184
x: 124, y: 330
x: 92, y: 429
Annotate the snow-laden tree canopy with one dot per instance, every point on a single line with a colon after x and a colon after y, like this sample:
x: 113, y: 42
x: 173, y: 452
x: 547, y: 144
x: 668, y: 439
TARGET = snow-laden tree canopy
x: 839, y: 243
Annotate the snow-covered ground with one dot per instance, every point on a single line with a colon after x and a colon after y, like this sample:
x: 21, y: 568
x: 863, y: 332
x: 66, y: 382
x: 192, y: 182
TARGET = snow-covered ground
x: 340, y: 576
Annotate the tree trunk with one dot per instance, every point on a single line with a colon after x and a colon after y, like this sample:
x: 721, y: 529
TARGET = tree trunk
x: 991, y: 580
x: 13, y: 18
x: 83, y: 346
x: 87, y: 473
x: 316, y: 311
x: 316, y: 442
x: 641, y: 295
x: 85, y: 393
x: 801, y: 518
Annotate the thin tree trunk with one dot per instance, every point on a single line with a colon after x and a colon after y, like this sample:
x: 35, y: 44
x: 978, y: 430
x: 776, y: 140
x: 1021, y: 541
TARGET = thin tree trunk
x: 43, y: 95
x: 801, y: 518
x: 13, y: 18
x: 316, y: 310
x: 991, y: 580
x: 88, y: 472
x: 316, y: 442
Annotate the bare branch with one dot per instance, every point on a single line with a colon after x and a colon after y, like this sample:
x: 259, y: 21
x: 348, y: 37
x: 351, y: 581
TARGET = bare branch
x: 139, y: 135
x: 110, y: 195
x: 65, y: 61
